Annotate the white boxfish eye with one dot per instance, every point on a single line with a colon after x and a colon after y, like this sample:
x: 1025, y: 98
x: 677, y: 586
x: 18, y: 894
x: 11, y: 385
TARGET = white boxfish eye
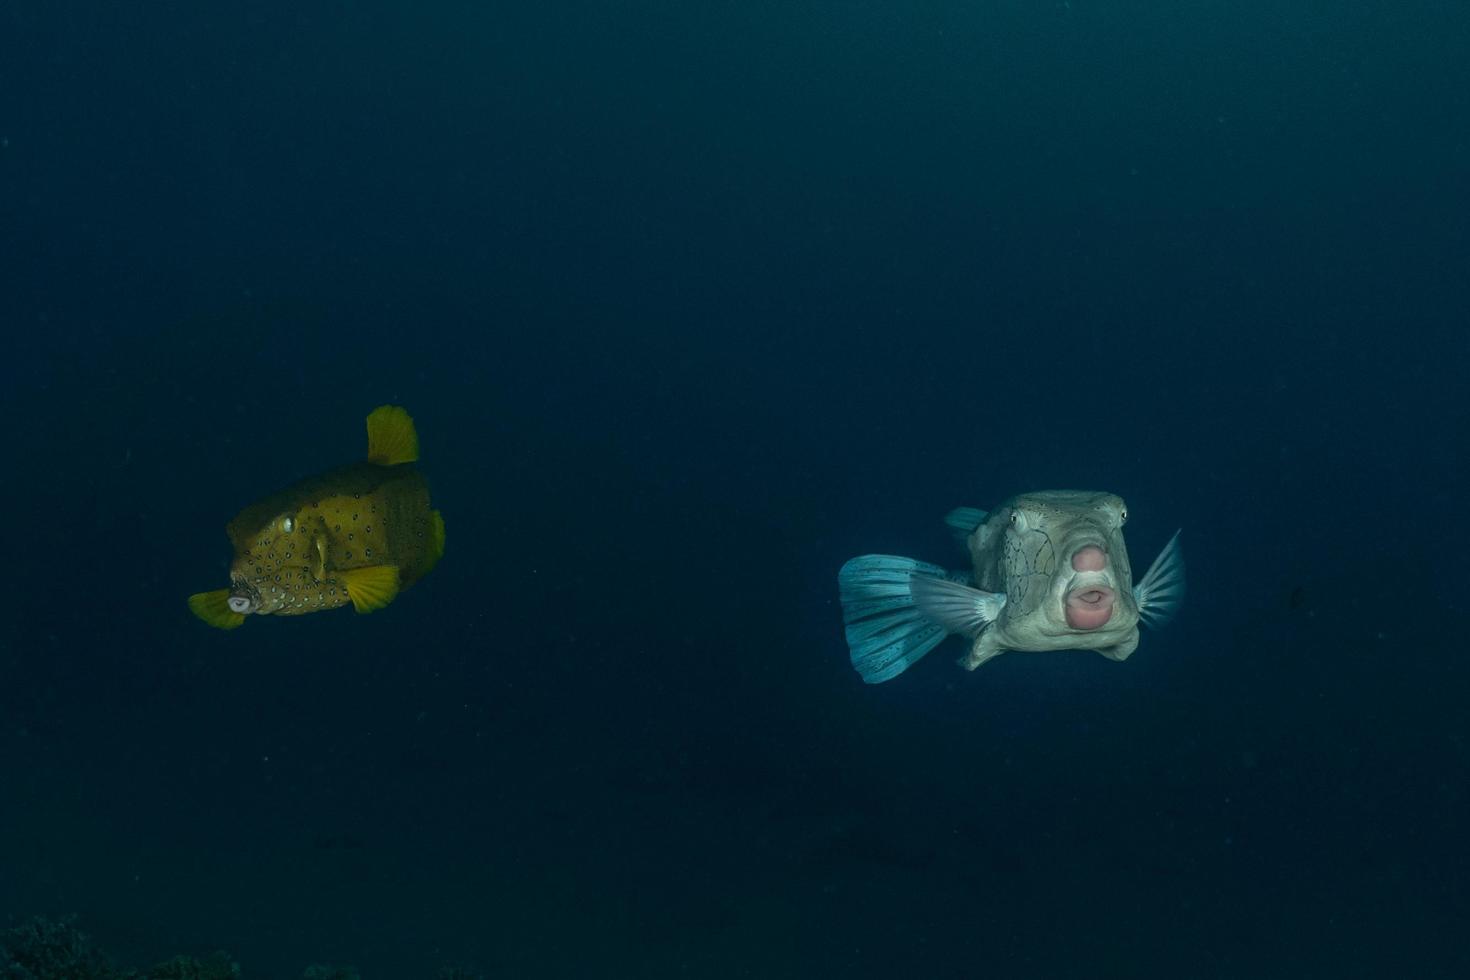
x: 288, y: 524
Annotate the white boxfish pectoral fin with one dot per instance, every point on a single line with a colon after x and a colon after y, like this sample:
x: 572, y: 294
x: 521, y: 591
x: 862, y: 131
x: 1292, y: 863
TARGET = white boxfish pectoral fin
x: 1160, y: 592
x: 962, y: 521
x: 886, y: 632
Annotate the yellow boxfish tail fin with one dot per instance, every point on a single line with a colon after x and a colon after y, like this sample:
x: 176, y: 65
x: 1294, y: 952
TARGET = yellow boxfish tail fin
x: 391, y: 436
x: 372, y: 587
x: 214, y: 609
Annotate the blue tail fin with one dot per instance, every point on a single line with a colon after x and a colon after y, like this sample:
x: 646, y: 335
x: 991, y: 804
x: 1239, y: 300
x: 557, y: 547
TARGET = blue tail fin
x: 886, y: 633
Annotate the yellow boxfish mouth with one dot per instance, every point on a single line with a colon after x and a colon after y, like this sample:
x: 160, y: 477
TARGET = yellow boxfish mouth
x: 243, y: 598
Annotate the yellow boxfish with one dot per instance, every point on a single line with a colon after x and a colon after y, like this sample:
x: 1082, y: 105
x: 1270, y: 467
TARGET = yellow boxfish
x: 358, y: 533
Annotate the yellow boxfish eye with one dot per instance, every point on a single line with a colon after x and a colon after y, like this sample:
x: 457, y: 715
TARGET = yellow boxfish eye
x: 288, y: 524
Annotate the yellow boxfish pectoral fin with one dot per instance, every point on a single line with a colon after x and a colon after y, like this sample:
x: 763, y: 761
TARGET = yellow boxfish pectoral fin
x: 392, y: 438
x: 319, y: 562
x: 214, y: 609
x: 372, y: 587
x: 436, y: 539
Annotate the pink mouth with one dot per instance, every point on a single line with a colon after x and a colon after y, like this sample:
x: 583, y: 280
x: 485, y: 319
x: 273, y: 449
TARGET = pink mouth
x: 1089, y: 607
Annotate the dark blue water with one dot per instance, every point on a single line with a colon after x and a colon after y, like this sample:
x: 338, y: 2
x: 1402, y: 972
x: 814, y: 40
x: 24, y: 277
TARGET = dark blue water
x: 691, y: 302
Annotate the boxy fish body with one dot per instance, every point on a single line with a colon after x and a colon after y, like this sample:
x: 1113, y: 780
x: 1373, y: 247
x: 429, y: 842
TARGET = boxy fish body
x: 1049, y: 571
x: 356, y: 534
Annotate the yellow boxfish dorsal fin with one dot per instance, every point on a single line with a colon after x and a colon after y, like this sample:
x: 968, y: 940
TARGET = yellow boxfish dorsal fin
x: 391, y: 436
x: 371, y: 587
x: 214, y: 609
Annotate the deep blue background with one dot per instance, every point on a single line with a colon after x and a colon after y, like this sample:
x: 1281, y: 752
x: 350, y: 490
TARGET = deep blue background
x: 692, y: 302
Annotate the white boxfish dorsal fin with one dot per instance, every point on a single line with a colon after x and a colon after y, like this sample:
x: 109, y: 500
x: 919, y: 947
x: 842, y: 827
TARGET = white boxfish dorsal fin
x: 963, y: 520
x: 1160, y: 592
x: 392, y: 438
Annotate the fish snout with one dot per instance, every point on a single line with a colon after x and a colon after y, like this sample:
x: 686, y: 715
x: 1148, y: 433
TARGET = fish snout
x: 1089, y: 558
x: 1090, y: 606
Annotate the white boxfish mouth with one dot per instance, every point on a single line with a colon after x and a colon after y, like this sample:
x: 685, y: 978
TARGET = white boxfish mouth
x: 1089, y: 607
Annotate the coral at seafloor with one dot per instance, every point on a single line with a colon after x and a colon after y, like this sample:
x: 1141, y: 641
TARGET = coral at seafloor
x: 44, y: 949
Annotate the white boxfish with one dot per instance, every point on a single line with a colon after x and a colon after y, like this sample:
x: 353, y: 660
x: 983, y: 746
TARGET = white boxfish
x: 1049, y: 571
x: 359, y: 533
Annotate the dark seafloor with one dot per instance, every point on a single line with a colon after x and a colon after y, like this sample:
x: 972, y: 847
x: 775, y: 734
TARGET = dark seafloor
x: 691, y: 302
